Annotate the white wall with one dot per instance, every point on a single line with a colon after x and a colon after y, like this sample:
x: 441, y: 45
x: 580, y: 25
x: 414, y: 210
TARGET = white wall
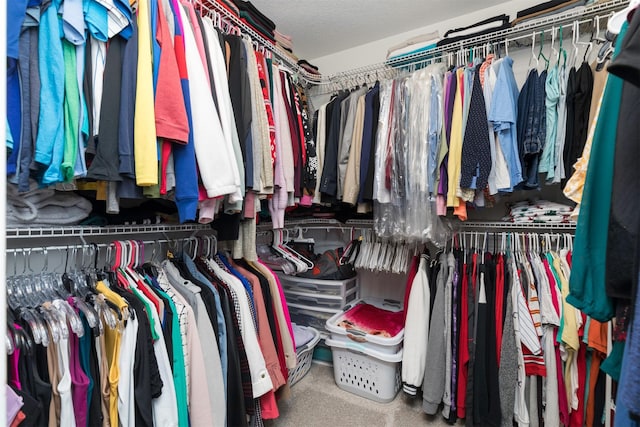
x: 376, y: 51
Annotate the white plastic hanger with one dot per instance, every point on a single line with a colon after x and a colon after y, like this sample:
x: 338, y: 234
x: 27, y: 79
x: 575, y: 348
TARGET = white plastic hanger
x: 614, y: 25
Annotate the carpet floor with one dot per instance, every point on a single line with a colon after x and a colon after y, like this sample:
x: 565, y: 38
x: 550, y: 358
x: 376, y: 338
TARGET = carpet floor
x: 316, y: 401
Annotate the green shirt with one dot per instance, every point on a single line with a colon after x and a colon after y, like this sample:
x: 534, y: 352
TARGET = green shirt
x: 587, y: 281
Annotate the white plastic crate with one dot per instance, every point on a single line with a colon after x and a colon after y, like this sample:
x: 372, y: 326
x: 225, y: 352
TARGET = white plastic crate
x: 365, y: 372
x: 385, y: 345
x: 304, y: 356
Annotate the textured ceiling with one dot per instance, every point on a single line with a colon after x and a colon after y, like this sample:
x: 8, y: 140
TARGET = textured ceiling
x: 322, y: 27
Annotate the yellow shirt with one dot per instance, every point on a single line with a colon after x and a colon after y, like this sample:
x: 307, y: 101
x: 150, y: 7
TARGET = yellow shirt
x: 144, y: 138
x: 113, y: 338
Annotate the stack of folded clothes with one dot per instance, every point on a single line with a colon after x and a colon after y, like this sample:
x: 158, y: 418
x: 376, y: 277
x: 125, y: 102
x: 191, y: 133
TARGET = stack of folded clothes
x: 284, y: 41
x: 413, y: 45
x: 481, y: 28
x: 311, y: 69
x: 539, y: 212
x: 545, y: 9
x: 227, y: 4
x: 256, y: 20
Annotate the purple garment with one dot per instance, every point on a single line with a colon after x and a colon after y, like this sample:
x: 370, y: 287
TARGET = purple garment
x: 451, y: 84
x: 14, y: 404
x: 79, y: 381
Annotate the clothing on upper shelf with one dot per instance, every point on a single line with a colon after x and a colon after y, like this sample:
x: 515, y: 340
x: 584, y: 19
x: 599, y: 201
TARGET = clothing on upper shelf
x: 141, y: 101
x: 194, y: 342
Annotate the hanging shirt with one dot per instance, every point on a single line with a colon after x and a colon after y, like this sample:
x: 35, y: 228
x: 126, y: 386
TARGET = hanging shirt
x: 50, y: 140
x: 414, y: 355
x: 589, y: 257
x: 145, y: 144
x: 503, y: 116
x: 548, y: 159
x: 455, y: 147
x: 113, y: 344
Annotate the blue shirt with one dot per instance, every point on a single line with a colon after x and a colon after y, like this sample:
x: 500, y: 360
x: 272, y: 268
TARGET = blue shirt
x: 97, y: 19
x: 503, y: 114
x: 73, y: 21
x: 222, y: 327
x: 16, y: 10
x: 50, y: 138
x: 435, y: 128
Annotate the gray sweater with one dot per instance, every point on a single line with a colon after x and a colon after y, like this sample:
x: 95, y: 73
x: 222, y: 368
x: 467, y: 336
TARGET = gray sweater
x: 434, y: 376
x: 508, y: 372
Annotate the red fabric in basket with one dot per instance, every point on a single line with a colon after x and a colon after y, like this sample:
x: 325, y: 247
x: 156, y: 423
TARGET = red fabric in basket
x: 373, y: 320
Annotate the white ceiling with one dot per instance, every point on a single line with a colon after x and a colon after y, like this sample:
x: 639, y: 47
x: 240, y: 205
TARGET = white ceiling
x: 322, y: 27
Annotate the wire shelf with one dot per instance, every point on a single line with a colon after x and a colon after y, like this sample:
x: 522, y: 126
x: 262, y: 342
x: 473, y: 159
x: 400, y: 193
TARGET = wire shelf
x: 511, y: 34
x: 213, y: 5
x: 80, y: 231
x: 504, y: 225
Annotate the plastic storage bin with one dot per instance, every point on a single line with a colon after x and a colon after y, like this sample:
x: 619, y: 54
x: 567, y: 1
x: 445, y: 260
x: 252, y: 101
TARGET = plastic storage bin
x: 326, y: 288
x: 368, y: 373
x: 379, y: 344
x: 304, y: 356
x: 320, y: 300
x: 310, y: 316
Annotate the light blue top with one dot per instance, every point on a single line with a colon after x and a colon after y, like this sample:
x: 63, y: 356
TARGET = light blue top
x: 435, y: 128
x: 73, y: 21
x: 503, y: 115
x: 50, y: 140
x: 8, y: 138
x: 548, y: 159
x: 97, y: 19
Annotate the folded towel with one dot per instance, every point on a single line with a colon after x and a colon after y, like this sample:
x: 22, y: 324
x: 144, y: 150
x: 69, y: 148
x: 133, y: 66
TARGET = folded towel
x: 44, y: 207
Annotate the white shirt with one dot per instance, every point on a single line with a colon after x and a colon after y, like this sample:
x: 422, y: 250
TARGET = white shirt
x: 217, y: 167
x: 261, y: 381
x: 67, y: 415
x: 165, y: 407
x: 416, y: 332
x: 126, y: 392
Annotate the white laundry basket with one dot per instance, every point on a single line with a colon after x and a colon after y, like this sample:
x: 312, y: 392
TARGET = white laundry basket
x: 368, y: 373
x: 304, y: 355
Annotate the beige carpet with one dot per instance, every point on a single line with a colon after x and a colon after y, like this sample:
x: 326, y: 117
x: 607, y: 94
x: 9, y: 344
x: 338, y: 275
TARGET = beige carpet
x: 316, y: 401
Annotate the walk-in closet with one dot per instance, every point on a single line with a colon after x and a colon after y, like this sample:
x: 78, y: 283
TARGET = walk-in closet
x: 265, y: 213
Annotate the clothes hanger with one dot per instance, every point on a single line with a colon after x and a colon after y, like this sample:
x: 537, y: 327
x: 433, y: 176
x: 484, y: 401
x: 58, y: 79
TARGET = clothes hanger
x: 614, y: 25
x: 541, y: 53
x: 308, y: 263
x: 533, y: 53
x: 562, y: 53
x: 53, y: 319
x: 554, y: 53
x: 300, y: 266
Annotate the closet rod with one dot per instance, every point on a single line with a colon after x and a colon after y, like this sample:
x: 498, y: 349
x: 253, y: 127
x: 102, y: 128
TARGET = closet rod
x: 461, y: 227
x: 513, y: 33
x: 214, y: 6
x: 78, y: 231
x: 38, y: 249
